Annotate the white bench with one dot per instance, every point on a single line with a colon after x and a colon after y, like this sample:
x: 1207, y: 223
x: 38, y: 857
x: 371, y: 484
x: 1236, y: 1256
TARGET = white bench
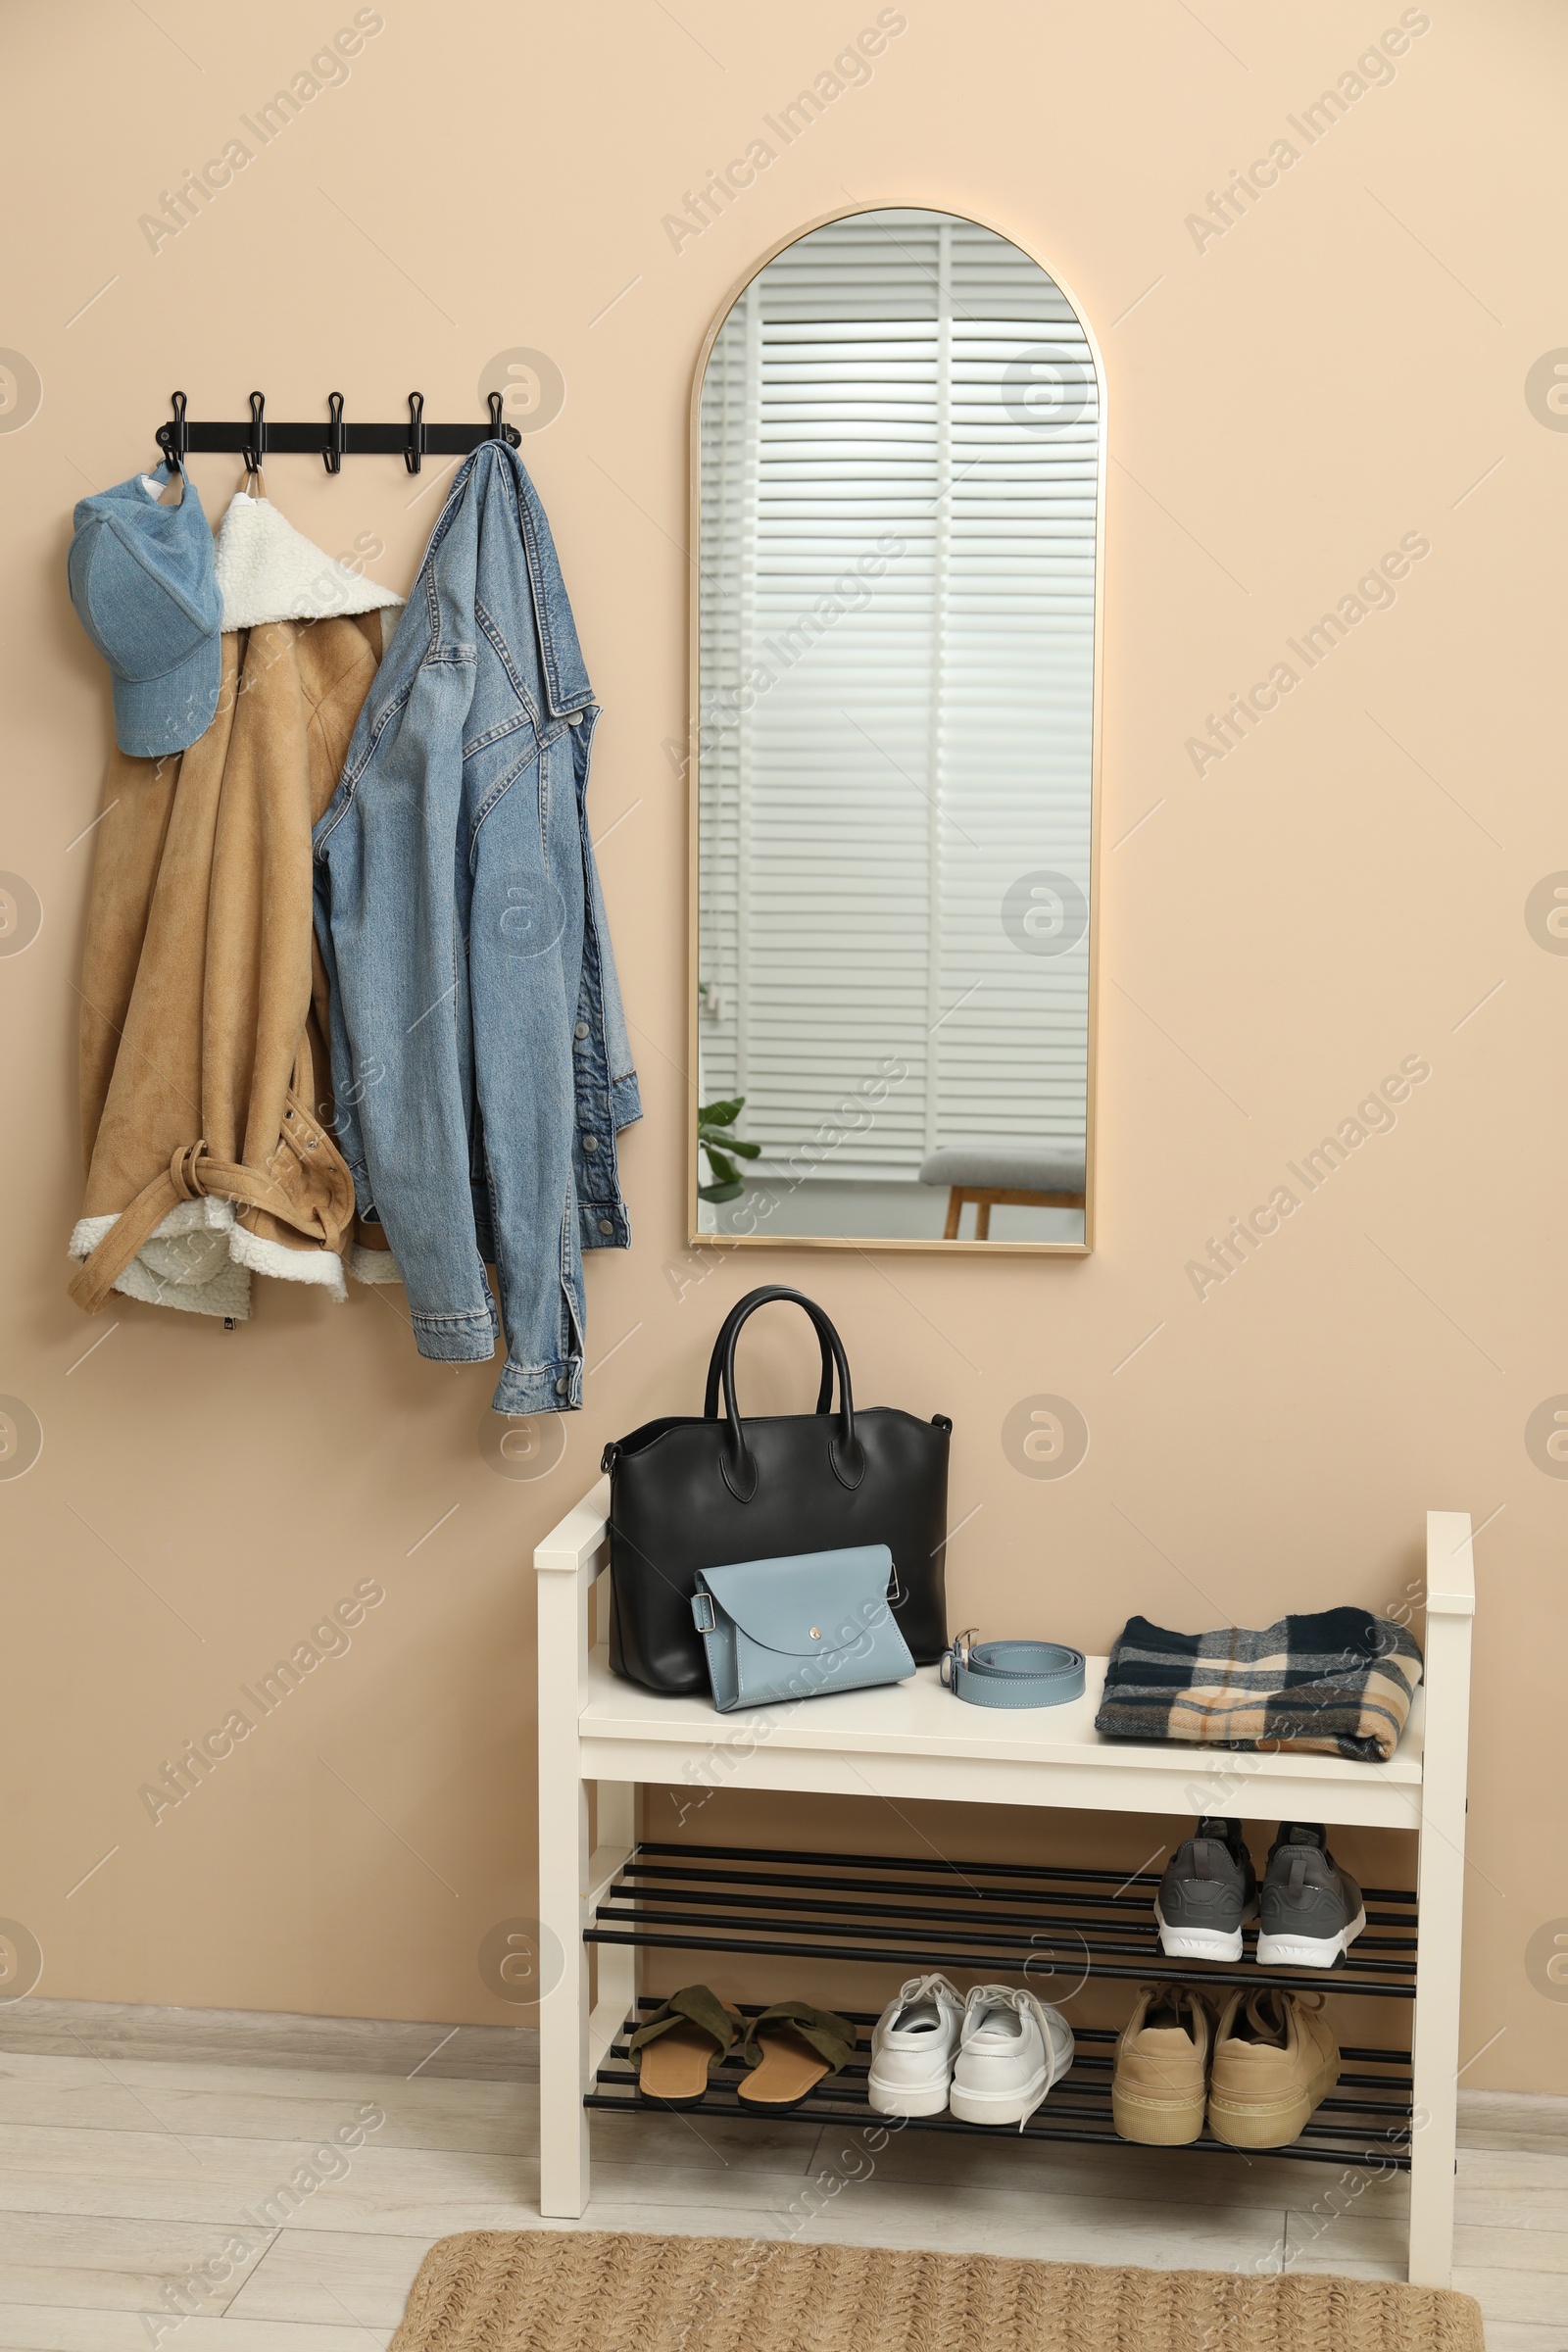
x: 914, y: 1740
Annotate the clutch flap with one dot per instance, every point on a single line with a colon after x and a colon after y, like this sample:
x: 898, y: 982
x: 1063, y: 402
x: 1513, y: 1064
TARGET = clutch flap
x: 809, y: 1605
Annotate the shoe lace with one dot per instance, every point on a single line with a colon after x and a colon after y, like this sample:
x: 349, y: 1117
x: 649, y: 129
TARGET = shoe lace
x: 1021, y: 1998
x: 1184, y: 2003
x: 1268, y: 2013
x: 932, y: 1988
x: 999, y: 1996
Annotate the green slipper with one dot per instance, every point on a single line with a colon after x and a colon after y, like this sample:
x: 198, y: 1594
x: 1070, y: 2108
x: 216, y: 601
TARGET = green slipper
x: 793, y: 2047
x: 680, y: 2044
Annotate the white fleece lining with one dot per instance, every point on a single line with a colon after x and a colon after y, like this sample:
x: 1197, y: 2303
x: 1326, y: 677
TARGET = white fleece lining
x: 262, y: 1257
x: 226, y: 1289
x: 227, y: 1292
x: 267, y: 571
x: 372, y: 1267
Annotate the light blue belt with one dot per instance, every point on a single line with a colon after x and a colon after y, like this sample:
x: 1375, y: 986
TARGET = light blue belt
x: 1012, y: 1674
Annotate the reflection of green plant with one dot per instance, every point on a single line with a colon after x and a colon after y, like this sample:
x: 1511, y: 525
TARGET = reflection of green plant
x: 715, y: 1137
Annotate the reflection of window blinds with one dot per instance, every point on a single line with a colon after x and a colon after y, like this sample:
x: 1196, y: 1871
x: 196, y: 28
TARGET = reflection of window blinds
x: 884, y: 757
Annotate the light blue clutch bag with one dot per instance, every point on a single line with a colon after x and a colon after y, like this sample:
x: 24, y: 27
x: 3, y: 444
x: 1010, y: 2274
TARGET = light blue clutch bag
x: 800, y: 1627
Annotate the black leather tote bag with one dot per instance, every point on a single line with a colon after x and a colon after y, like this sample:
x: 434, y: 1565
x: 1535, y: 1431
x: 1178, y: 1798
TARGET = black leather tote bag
x: 688, y: 1493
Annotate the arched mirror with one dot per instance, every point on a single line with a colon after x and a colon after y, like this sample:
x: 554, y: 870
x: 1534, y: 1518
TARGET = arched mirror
x: 897, y: 487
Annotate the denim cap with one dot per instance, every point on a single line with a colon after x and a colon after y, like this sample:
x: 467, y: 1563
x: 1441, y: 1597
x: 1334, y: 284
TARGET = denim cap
x: 143, y: 585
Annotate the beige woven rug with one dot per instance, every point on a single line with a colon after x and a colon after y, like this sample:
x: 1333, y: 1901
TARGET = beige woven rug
x: 547, y: 2290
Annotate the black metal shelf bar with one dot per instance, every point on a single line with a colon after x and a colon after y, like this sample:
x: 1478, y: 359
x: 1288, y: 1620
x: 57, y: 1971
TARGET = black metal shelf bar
x: 1392, y: 2152
x: 668, y: 1874
x: 1077, y: 2100
x: 857, y: 2070
x: 940, y: 1867
x: 1006, y: 1954
x: 1086, y: 2061
x: 1093, y: 1942
x: 814, y: 1905
x: 869, y: 2017
x: 671, y: 1884
x: 1162, y: 1971
x: 1067, y: 2099
x: 1082, y: 2111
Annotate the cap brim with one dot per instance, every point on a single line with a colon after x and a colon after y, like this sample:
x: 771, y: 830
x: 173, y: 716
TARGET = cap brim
x: 153, y: 717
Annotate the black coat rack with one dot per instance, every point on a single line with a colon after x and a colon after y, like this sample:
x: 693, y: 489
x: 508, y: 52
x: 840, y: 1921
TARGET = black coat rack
x: 332, y: 441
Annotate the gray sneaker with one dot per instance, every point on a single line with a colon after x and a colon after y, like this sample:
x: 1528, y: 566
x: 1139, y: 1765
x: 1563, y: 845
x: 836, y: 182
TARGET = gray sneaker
x: 1312, y: 1907
x: 1209, y: 1890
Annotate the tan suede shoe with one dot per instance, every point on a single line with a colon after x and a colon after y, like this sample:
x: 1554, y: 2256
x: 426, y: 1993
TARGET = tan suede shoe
x: 1161, y: 2079
x: 1275, y: 2060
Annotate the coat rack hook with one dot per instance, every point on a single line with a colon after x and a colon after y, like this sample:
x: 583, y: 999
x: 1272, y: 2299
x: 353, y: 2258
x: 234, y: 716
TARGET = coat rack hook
x: 498, y: 431
x: 256, y: 446
x: 170, y: 437
x: 414, y: 454
x: 333, y: 452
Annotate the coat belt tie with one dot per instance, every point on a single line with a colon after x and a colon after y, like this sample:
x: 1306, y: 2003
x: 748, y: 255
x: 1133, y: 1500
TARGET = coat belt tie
x: 193, y: 1174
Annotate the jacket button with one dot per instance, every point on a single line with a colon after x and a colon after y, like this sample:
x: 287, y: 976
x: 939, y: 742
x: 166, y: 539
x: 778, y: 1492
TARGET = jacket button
x: 605, y: 1226
x: 590, y: 1142
x: 562, y: 1386
x: 581, y: 1032
x: 575, y: 718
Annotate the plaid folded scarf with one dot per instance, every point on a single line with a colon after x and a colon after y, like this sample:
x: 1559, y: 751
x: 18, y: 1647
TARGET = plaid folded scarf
x: 1340, y: 1681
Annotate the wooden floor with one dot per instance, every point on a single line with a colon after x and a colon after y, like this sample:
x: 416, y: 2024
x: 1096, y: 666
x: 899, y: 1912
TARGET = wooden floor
x: 133, y: 2144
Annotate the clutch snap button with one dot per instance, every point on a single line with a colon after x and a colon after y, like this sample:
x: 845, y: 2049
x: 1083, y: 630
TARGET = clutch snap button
x: 816, y: 1633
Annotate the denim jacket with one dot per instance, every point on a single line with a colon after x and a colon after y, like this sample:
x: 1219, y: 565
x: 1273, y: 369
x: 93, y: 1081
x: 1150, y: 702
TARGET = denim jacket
x: 480, y: 1066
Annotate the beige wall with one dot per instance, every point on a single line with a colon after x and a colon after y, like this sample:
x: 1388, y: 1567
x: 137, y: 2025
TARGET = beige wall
x: 1343, y: 366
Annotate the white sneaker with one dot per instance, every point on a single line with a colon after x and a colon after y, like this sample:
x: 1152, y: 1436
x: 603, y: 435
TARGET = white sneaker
x: 913, y: 2047
x: 1012, y: 2048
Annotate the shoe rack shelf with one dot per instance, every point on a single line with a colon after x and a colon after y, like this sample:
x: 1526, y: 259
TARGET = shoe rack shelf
x: 1347, y: 2129
x: 606, y: 1897
x: 1054, y: 1928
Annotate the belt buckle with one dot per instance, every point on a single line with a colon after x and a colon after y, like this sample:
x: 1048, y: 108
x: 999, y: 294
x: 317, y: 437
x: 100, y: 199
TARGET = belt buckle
x: 957, y: 1655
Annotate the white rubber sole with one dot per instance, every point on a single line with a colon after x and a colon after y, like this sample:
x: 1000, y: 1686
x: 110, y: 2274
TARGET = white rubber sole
x: 1199, y: 1943
x: 1014, y: 2105
x: 906, y: 2099
x: 1308, y: 1951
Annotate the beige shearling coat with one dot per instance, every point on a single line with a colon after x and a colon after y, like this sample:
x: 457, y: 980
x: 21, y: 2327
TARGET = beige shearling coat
x: 206, y: 1111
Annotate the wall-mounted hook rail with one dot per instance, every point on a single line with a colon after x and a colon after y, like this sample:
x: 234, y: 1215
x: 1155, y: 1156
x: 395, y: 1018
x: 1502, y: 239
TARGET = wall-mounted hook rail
x: 258, y: 435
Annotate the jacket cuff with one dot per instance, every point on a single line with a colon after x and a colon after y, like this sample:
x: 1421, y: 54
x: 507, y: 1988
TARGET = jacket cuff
x: 625, y: 1102
x: 539, y: 1388
x: 603, y: 1225
x: 456, y: 1339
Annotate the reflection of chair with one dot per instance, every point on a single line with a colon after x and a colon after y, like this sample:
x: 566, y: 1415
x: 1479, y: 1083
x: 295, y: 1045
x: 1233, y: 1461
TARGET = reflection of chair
x: 1051, y: 1177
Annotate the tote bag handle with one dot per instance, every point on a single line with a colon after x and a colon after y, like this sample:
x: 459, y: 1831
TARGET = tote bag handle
x: 737, y: 1462
x: 732, y: 1323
